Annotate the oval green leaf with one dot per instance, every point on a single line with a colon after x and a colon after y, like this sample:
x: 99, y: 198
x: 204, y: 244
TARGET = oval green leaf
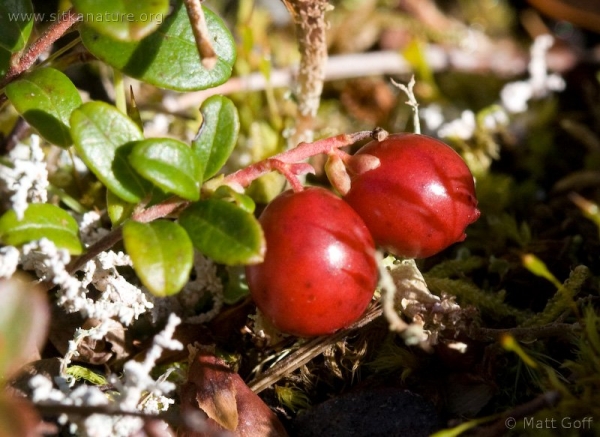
x: 224, y: 232
x: 217, y: 135
x: 125, y: 20
x: 169, y: 164
x: 41, y: 220
x: 46, y: 98
x: 162, y: 255
x: 103, y: 139
x: 16, y: 23
x: 168, y: 58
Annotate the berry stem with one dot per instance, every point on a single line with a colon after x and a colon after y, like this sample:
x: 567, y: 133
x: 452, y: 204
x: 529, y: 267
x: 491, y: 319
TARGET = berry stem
x: 288, y: 163
x: 291, y: 172
x: 245, y: 176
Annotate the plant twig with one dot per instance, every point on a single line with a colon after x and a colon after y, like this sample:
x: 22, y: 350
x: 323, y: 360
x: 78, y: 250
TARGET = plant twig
x: 116, y: 235
x: 243, y: 177
x: 510, y: 419
x: 208, y: 57
x: 105, y: 243
x: 18, y: 132
x: 43, y: 43
x: 499, y: 61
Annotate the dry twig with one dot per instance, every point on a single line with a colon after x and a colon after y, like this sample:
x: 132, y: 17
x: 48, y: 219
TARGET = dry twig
x: 208, y: 57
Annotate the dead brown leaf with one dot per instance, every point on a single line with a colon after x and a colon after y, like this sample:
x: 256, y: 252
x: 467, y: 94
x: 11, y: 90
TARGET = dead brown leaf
x: 226, y: 400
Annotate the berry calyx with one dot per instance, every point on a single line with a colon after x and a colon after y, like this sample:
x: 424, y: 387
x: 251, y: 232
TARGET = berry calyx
x: 419, y: 200
x: 319, y: 271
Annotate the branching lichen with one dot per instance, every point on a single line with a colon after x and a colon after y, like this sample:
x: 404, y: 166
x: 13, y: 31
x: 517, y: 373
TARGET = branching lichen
x: 136, y: 392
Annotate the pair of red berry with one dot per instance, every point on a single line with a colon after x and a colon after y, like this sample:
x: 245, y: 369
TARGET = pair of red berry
x: 319, y: 272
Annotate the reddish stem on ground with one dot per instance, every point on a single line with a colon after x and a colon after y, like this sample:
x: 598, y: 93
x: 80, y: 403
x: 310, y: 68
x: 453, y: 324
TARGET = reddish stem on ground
x: 43, y: 43
x: 294, y: 157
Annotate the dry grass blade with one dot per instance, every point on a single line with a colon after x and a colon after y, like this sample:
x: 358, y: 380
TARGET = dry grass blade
x: 309, y: 351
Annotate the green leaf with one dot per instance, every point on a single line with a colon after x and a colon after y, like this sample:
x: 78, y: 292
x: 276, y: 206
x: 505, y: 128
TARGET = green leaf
x: 245, y: 202
x: 224, y: 232
x: 162, y: 255
x: 103, y: 138
x: 41, y: 220
x: 169, y: 164
x: 125, y: 20
x: 16, y: 22
x: 24, y: 317
x: 118, y: 209
x: 69, y: 201
x: 217, y: 135
x: 46, y: 98
x: 237, y: 286
x: 168, y: 58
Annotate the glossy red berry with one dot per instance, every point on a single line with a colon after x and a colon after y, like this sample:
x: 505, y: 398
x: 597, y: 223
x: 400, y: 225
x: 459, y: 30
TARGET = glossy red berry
x: 319, y: 271
x: 419, y: 200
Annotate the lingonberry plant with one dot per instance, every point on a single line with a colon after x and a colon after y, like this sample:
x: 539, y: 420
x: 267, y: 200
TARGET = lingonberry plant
x: 319, y: 271
x: 419, y: 200
x: 146, y: 223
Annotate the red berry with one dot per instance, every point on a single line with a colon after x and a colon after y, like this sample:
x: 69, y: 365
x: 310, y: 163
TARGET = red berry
x: 419, y: 200
x: 319, y: 271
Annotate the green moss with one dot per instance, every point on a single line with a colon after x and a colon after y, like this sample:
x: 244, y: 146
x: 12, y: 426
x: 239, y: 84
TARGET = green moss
x: 563, y: 301
x: 489, y: 303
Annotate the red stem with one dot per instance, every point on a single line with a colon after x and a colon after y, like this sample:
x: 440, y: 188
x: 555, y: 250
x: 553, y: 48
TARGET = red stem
x: 288, y: 163
x: 158, y: 211
x: 54, y: 32
x: 298, y: 154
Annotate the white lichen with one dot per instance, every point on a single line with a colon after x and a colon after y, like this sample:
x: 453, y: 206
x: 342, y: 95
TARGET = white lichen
x: 433, y: 116
x: 462, y: 128
x: 515, y: 96
x: 120, y: 298
x: 97, y: 332
x: 9, y: 261
x: 206, y: 283
x: 136, y: 375
x: 24, y: 176
x: 90, y: 228
x: 137, y: 392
